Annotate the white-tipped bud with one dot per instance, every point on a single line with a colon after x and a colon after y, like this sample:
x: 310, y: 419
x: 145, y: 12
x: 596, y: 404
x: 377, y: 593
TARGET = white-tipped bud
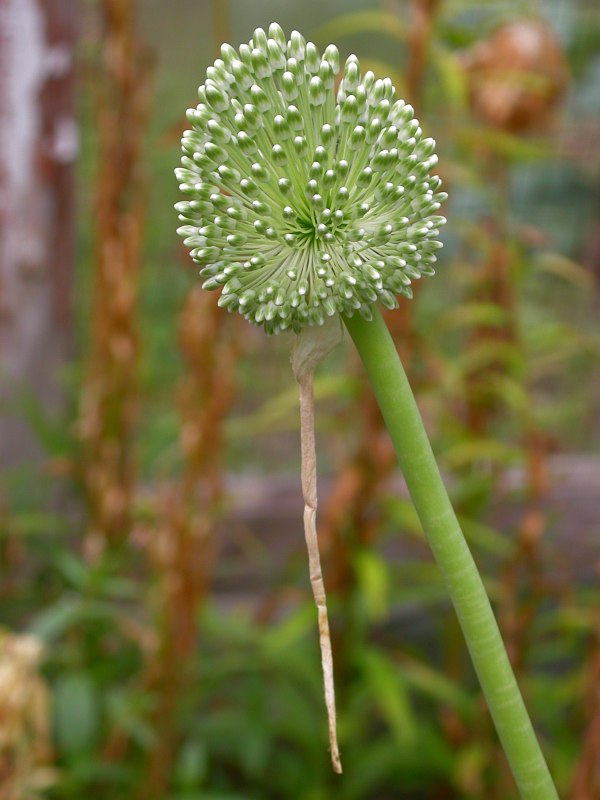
x: 311, y: 58
x: 289, y: 87
x: 351, y: 74
x: 261, y: 64
x: 297, y: 46
x: 260, y: 99
x: 316, y: 91
x: 276, y: 54
x: 259, y: 40
x: 277, y: 34
x: 332, y: 55
x: 216, y: 98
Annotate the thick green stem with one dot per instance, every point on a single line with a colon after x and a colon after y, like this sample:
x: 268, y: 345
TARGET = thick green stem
x: 396, y: 401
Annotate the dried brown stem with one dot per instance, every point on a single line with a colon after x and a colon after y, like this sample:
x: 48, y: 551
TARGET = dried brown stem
x: 109, y: 396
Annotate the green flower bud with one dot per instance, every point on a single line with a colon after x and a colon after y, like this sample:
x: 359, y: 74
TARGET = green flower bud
x: 357, y: 137
x: 289, y: 88
x: 326, y: 74
x: 276, y: 54
x: 297, y: 46
x: 276, y: 33
x: 316, y: 91
x: 311, y: 59
x: 351, y: 74
x: 281, y: 128
x: 260, y: 64
x: 260, y: 99
x: 228, y: 54
x: 259, y: 40
x: 332, y: 55
x: 216, y: 98
x: 278, y: 155
x: 242, y: 75
x: 300, y: 145
x: 246, y: 144
x: 294, y: 118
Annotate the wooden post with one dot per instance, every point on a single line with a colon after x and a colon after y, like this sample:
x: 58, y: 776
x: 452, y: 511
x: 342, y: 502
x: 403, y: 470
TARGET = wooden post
x: 38, y: 146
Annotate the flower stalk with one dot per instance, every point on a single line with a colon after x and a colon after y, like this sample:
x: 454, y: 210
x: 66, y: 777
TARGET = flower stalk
x: 386, y: 374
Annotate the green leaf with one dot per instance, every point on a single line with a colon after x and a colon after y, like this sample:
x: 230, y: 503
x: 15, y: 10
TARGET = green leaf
x: 435, y: 684
x: 464, y: 454
x: 362, y: 22
x: 451, y: 77
x: 54, y: 621
x: 470, y: 314
x: 373, y: 584
x: 565, y: 268
x: 403, y: 514
x: 485, y: 538
x: 280, y: 413
x: 388, y: 689
x: 191, y: 766
x: 485, y: 353
x: 76, y: 713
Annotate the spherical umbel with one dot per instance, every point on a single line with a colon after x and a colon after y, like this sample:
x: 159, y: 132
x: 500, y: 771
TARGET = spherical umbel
x: 299, y: 203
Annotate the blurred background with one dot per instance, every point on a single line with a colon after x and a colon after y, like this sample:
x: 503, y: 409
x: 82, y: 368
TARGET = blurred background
x: 158, y: 636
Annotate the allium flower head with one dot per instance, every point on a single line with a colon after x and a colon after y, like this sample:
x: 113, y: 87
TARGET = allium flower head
x: 301, y: 203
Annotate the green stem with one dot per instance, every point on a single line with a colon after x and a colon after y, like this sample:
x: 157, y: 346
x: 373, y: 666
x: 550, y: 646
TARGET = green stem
x: 401, y: 415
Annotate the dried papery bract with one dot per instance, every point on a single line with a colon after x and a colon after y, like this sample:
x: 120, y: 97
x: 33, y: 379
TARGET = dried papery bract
x: 310, y: 347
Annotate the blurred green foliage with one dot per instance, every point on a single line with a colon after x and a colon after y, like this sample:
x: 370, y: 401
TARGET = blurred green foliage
x: 249, y: 720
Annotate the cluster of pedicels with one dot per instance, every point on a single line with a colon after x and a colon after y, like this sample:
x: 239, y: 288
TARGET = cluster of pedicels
x: 302, y: 202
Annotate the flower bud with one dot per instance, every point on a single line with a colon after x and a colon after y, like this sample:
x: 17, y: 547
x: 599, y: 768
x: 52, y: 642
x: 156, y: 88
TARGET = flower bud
x: 332, y: 55
x: 316, y: 91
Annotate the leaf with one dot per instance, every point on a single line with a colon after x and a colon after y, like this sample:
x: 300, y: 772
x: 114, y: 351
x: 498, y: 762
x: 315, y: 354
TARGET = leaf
x: 51, y: 431
x: 513, y: 393
x: 485, y: 538
x: 291, y: 631
x: 565, y: 268
x: 280, y: 413
x: 451, y: 77
x: 76, y: 713
x: 373, y: 584
x: 389, y: 692
x: 469, y: 766
x: 434, y: 684
x: 54, y: 621
x: 38, y: 523
x: 470, y: 314
x: 362, y: 22
x: 73, y: 569
x: 504, y: 145
x: 464, y: 454
x: 192, y: 765
x: 403, y: 514
x: 485, y: 353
